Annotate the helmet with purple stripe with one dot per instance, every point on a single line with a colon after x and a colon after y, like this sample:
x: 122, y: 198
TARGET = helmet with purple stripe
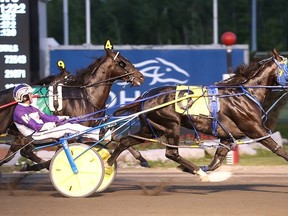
x: 21, y: 90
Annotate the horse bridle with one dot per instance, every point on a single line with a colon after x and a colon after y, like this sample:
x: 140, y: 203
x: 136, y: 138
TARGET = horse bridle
x: 121, y: 64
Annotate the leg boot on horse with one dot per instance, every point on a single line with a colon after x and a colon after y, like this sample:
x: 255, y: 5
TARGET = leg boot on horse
x: 218, y: 158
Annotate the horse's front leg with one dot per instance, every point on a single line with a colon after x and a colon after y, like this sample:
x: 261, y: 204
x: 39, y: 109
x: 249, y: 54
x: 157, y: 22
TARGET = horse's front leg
x: 173, y: 154
x: 218, y: 158
x: 274, y: 147
x: 185, y: 165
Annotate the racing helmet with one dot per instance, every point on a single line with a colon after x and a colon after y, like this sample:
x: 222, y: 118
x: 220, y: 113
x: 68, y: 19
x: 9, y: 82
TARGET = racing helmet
x: 21, y: 90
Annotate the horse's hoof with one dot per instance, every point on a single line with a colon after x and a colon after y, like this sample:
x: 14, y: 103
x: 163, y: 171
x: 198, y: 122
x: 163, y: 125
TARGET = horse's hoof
x: 145, y: 164
x: 204, y: 168
x: 24, y: 168
x: 202, y: 175
x: 106, y: 165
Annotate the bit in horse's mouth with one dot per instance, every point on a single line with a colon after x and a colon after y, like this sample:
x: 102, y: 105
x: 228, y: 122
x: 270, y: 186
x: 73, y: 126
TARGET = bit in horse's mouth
x: 137, y: 83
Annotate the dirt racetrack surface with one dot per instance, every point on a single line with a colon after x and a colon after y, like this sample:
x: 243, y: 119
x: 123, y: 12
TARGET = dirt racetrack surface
x: 248, y: 191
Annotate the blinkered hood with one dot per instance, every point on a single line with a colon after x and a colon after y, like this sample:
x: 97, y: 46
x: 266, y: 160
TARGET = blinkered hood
x: 282, y: 73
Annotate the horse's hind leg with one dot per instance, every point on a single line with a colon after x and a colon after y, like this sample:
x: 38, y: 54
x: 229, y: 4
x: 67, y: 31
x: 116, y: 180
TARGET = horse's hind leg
x: 137, y: 155
x: 124, y: 143
x: 28, y: 153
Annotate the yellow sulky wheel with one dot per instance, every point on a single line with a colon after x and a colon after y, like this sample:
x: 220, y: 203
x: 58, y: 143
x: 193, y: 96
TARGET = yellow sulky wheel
x: 109, y: 171
x: 90, y: 171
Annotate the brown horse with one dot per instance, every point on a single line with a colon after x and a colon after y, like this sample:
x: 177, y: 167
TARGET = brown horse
x: 240, y: 99
x: 86, y: 93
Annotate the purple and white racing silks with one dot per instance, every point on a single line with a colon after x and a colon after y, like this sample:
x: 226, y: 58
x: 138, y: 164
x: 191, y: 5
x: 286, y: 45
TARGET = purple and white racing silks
x: 31, y: 121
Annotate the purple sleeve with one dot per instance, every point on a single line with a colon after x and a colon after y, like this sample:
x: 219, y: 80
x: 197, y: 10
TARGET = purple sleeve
x: 48, y: 118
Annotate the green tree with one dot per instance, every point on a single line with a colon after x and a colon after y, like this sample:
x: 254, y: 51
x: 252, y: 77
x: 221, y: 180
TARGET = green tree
x: 170, y: 22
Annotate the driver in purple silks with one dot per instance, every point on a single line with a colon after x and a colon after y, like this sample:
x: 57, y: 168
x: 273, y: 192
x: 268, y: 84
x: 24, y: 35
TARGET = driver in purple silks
x: 30, y: 121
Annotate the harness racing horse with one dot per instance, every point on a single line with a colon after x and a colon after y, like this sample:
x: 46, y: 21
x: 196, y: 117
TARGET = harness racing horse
x: 240, y: 98
x: 88, y: 92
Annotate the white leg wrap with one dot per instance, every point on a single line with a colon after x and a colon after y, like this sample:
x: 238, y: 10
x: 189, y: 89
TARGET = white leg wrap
x: 202, y: 175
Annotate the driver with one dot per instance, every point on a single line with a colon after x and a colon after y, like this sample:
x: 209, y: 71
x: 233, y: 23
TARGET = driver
x: 32, y: 122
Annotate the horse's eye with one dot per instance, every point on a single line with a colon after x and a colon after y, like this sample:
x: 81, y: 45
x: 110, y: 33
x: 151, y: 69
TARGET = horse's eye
x: 122, y: 64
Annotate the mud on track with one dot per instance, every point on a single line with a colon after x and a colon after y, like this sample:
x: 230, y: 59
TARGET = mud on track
x: 249, y: 191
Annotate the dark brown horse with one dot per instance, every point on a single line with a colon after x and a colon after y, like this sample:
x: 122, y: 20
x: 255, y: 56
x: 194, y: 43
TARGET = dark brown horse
x: 240, y: 98
x: 86, y: 93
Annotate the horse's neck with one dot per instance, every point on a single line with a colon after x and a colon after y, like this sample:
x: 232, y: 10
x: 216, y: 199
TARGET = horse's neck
x: 265, y: 78
x: 99, y: 95
x: 101, y: 84
x: 99, y: 89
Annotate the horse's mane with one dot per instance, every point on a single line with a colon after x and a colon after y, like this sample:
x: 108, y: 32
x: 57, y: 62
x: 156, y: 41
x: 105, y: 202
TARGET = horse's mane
x: 244, y: 72
x: 80, y: 77
x: 44, y: 81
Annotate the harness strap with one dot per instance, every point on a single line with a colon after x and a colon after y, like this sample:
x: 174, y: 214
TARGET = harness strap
x: 256, y: 101
x: 55, y: 98
x: 212, y: 92
x: 252, y: 140
x: 275, y: 103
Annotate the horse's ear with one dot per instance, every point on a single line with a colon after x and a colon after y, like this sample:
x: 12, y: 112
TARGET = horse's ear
x: 276, y: 55
x: 108, y: 45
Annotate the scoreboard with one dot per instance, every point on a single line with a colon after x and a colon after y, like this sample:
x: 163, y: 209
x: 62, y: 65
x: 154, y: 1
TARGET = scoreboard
x: 14, y: 43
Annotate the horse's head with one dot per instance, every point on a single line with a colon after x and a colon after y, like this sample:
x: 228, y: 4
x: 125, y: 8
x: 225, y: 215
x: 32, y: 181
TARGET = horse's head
x: 64, y: 76
x: 282, y: 68
x: 270, y: 71
x: 122, y: 68
x: 109, y: 68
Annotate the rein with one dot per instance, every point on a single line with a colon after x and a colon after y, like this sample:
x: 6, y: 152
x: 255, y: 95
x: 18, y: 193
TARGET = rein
x: 103, y: 81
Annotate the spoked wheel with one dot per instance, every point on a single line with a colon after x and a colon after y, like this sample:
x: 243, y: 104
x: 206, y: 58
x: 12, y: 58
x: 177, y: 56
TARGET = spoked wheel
x: 110, y: 171
x: 90, y: 171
